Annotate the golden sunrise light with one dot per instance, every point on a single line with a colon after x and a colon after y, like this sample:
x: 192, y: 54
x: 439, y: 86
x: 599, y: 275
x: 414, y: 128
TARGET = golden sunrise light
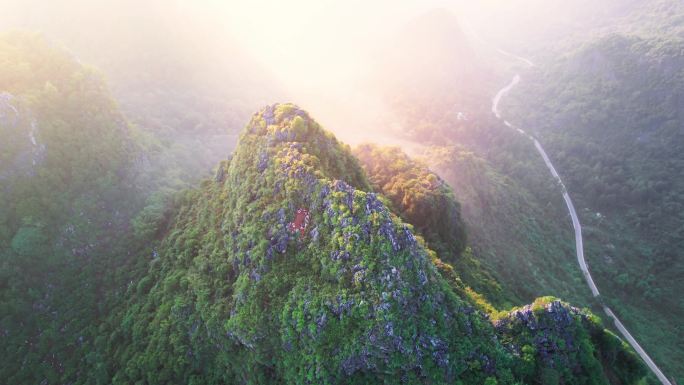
x: 341, y: 192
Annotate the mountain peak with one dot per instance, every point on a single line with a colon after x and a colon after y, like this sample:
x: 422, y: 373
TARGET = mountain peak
x: 289, y: 269
x: 286, y: 134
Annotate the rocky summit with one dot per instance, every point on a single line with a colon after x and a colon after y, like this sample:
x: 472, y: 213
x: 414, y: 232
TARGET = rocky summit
x: 287, y: 268
x: 160, y: 224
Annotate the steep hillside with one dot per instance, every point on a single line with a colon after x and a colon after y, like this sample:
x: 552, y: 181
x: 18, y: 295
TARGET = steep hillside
x: 286, y: 268
x: 611, y: 114
x: 422, y: 198
x: 67, y: 170
x: 513, y: 229
x: 419, y: 195
x: 175, y: 73
x: 67, y: 152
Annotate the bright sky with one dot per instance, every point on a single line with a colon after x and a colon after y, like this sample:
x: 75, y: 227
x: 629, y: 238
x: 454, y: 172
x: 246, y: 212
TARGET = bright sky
x: 329, y: 34
x: 319, y: 50
x: 303, y: 41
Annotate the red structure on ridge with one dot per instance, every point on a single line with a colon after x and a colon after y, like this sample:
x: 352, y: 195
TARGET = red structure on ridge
x: 300, y: 222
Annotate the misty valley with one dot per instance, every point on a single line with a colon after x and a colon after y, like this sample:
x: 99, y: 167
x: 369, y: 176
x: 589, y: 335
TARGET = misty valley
x: 328, y: 192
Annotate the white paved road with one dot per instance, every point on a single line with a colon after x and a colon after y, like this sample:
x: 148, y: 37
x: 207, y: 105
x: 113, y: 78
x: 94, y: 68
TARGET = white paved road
x: 579, y: 247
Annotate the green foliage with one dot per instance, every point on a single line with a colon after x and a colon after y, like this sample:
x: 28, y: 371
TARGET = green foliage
x: 428, y: 203
x: 149, y: 221
x: 513, y: 232
x: 421, y: 197
x: 209, y: 286
x: 557, y: 339
x: 609, y: 114
x: 66, y: 176
x: 236, y: 296
x: 30, y: 241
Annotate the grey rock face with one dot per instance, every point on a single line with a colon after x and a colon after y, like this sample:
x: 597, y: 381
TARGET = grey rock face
x: 20, y: 139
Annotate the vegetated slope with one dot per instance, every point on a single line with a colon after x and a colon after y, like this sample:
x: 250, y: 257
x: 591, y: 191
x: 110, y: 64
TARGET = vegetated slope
x: 516, y: 221
x: 286, y: 268
x: 422, y: 198
x: 67, y: 167
x: 516, y: 233
x: 176, y: 74
x: 556, y: 26
x: 611, y: 116
x: 514, y: 212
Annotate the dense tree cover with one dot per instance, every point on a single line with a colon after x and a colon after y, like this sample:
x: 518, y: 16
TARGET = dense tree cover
x: 209, y: 285
x: 513, y: 232
x: 235, y: 296
x: 610, y: 112
x: 514, y: 212
x: 421, y: 197
x: 545, y: 329
x: 177, y: 76
x: 66, y: 187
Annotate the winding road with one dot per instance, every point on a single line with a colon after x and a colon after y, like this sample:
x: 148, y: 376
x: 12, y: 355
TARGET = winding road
x: 579, y: 247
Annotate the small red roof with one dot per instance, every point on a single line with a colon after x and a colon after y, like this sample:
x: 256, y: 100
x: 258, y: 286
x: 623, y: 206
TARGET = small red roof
x: 300, y: 222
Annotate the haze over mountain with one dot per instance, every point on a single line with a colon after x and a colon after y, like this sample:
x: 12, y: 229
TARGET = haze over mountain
x: 515, y: 177
x: 617, y: 130
x: 429, y: 74
x: 174, y: 71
